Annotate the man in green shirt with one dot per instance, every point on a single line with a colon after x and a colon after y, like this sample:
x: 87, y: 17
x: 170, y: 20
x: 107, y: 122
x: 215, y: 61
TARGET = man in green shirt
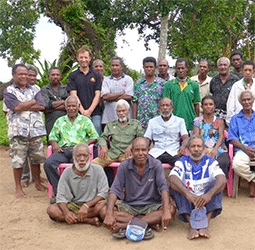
x: 184, y: 94
x: 120, y: 134
x: 68, y: 131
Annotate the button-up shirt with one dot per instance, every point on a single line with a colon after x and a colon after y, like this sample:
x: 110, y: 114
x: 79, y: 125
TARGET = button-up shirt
x: 67, y: 134
x: 24, y: 123
x: 166, y: 135
x: 242, y: 129
x: 120, y: 137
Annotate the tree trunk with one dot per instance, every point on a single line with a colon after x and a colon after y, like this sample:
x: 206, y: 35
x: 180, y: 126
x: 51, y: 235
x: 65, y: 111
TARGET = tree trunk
x: 163, y: 37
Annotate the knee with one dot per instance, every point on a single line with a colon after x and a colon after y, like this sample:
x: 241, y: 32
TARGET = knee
x: 51, y: 210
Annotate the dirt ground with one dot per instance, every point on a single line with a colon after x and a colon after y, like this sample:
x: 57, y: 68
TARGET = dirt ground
x: 24, y: 224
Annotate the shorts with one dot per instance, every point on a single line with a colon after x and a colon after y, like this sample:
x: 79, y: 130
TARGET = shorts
x: 23, y: 147
x: 138, y: 210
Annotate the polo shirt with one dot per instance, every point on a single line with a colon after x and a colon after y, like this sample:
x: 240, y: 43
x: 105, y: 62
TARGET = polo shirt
x: 140, y: 191
x: 85, y: 85
x: 120, y: 137
x: 115, y: 85
x: 183, y: 99
x: 77, y: 189
x: 204, y: 88
x: 166, y: 135
x: 221, y: 91
x: 67, y: 134
x: 242, y: 129
x: 197, y: 178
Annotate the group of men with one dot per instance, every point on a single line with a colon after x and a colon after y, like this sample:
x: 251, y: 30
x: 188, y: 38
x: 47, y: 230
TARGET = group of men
x: 163, y: 109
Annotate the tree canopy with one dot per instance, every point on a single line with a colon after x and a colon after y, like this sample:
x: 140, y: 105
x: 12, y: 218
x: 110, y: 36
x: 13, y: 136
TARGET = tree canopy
x: 196, y: 29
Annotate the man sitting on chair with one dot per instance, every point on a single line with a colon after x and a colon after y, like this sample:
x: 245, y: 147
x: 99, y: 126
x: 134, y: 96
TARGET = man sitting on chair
x: 67, y: 131
x: 197, y: 183
x: 80, y: 190
x: 145, y: 194
x: 120, y: 134
x: 241, y: 134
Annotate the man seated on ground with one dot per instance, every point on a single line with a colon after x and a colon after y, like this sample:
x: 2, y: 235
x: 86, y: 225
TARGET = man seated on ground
x: 163, y: 68
x: 236, y: 59
x: 25, y: 127
x: 80, y: 190
x: 120, y: 135
x: 246, y: 83
x: 145, y: 196
x: 166, y: 131
x: 54, y: 95
x: 67, y: 131
x: 242, y: 136
x: 196, y: 182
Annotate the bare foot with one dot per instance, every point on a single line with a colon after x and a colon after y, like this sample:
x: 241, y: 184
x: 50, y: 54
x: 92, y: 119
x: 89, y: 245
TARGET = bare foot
x: 193, y: 233
x: 252, y: 189
x: 204, y: 233
x: 43, y: 180
x: 20, y: 194
x: 40, y: 187
x: 24, y: 184
x: 93, y: 221
x: 155, y: 227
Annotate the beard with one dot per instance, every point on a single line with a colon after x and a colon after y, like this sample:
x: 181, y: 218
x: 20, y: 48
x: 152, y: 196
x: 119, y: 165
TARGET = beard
x: 199, y: 158
x: 123, y: 119
x: 77, y: 166
x: 166, y: 115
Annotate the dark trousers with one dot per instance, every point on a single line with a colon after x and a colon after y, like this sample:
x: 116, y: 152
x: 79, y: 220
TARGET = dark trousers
x: 51, y: 166
x: 167, y: 158
x: 224, y: 163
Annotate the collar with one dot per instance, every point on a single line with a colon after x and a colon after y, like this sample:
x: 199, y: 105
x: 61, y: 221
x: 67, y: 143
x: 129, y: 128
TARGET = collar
x: 75, y: 176
x: 90, y: 69
x: 241, y: 114
x: 148, y: 164
x: 15, y: 85
x: 122, y: 76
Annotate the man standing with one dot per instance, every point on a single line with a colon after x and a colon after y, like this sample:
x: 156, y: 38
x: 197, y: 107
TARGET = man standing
x: 203, y: 79
x: 147, y: 93
x: 145, y: 192
x: 54, y: 95
x: 68, y: 130
x: 163, y: 69
x: 98, y: 65
x: 221, y: 85
x: 120, y: 133
x: 236, y: 59
x: 246, y: 83
x: 184, y: 93
x: 242, y: 136
x: 197, y: 183
x: 25, y: 127
x: 115, y: 87
x: 166, y: 132
x: 80, y: 190
x: 85, y: 84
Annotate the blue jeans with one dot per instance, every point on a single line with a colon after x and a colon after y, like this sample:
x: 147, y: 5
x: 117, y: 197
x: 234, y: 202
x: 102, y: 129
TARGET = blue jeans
x: 96, y: 120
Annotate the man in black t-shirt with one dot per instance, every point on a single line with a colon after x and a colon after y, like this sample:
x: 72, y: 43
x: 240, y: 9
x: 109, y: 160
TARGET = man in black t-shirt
x: 85, y: 84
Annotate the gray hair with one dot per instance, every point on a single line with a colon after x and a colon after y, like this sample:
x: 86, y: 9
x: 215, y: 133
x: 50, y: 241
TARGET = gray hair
x: 97, y: 60
x: 33, y: 68
x: 244, y: 92
x: 69, y: 97
x: 225, y: 58
x: 117, y: 58
x: 83, y: 145
x: 195, y: 136
x: 122, y: 102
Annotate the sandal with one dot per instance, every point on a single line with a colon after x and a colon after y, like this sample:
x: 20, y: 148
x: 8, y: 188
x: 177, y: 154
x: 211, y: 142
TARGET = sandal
x: 121, y: 234
x: 148, y: 234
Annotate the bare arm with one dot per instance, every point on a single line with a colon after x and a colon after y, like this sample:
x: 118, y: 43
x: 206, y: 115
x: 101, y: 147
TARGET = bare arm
x: 196, y: 107
x: 70, y: 217
x: 109, y: 219
x: 135, y: 108
x: 214, y: 152
x: 112, y: 96
x: 181, y: 150
x: 166, y: 216
x: 55, y: 147
x: 24, y: 106
x: 36, y: 107
x: 91, y: 141
x: 195, y: 130
x: 250, y: 151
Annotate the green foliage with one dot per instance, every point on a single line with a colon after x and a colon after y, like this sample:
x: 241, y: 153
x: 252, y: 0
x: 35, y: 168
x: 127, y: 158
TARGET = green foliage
x: 3, y: 127
x: 18, y: 19
x: 45, y: 67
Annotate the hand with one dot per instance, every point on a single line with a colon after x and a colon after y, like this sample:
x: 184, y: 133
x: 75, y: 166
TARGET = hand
x: 166, y: 218
x: 202, y: 200
x: 250, y: 151
x: 213, y: 153
x: 56, y: 148
x: 103, y: 153
x: 109, y: 221
x: 86, y: 113
x: 70, y: 217
x: 128, y: 152
x: 82, y: 213
x: 181, y: 151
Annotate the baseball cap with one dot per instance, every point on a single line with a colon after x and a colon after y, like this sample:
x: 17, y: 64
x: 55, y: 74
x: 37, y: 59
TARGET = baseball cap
x: 198, y: 218
x: 136, y: 230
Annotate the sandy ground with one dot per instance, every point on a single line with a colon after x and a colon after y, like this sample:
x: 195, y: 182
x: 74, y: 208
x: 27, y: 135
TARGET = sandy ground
x: 24, y: 224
